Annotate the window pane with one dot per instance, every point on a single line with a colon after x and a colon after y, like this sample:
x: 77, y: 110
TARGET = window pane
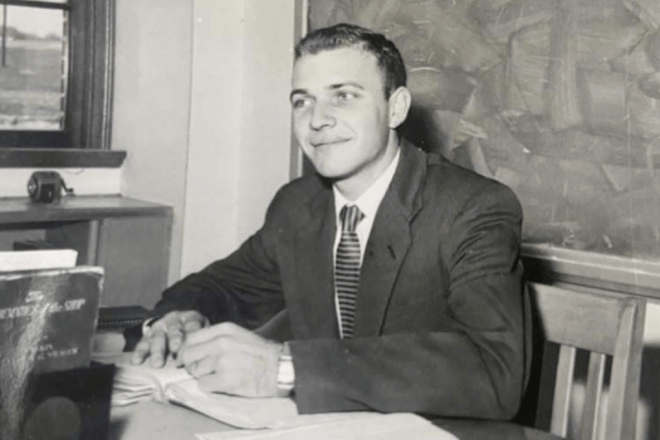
x: 34, y: 68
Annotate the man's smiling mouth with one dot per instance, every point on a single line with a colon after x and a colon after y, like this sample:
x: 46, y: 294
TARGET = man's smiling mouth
x: 328, y: 142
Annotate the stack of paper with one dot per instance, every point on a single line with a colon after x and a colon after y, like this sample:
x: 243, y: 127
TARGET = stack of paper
x: 37, y: 259
x: 240, y: 412
x: 352, y: 426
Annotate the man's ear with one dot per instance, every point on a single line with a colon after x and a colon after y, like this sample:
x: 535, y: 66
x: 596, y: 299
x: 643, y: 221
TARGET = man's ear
x: 399, y: 103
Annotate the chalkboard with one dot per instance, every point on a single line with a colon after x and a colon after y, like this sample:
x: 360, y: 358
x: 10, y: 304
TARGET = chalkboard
x: 558, y: 99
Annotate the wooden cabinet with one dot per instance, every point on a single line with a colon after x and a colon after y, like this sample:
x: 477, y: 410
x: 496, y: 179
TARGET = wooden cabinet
x: 129, y: 238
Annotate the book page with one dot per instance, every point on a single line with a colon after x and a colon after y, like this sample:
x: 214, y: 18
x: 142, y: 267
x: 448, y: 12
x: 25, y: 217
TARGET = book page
x: 138, y: 382
x: 161, y: 376
x: 134, y: 383
x: 363, y: 426
x: 275, y: 413
x: 240, y: 412
x: 37, y: 259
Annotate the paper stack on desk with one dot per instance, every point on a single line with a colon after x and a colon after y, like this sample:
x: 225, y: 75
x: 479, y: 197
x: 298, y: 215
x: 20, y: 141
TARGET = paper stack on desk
x: 353, y: 426
x: 37, y: 259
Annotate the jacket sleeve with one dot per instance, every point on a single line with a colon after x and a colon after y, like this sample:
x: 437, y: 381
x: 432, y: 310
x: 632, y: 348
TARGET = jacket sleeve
x: 474, y: 366
x: 243, y: 288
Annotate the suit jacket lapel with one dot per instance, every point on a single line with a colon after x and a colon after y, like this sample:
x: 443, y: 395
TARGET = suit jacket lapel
x: 389, y: 241
x: 313, y: 296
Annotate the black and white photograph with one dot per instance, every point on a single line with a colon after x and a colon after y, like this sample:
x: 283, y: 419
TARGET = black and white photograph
x: 329, y: 219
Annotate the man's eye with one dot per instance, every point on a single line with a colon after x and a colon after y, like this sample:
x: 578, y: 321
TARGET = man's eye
x: 345, y: 96
x: 300, y: 103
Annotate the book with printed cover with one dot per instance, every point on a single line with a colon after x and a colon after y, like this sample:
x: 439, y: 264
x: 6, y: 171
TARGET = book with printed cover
x: 48, y: 318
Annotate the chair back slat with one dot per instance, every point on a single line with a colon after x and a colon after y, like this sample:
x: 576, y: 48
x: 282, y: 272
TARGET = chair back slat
x: 593, y: 393
x: 606, y: 326
x: 626, y: 368
x: 563, y: 390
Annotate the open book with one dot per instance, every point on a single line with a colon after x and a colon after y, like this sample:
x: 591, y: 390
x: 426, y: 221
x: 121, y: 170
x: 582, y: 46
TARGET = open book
x: 279, y: 414
x: 134, y: 383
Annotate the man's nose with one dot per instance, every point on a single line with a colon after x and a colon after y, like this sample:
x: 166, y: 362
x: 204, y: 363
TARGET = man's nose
x: 322, y: 116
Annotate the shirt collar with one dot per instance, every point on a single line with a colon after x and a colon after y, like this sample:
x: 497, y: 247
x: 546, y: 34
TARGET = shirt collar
x: 369, y: 201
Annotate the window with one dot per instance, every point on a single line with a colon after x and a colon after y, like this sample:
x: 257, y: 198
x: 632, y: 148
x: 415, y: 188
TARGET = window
x: 56, y: 73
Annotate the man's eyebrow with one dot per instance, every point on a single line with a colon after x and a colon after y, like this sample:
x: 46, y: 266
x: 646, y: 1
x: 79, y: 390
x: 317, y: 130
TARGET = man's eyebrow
x: 297, y: 92
x: 330, y: 87
x: 344, y: 84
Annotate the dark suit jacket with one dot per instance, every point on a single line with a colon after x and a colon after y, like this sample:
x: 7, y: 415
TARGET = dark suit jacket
x: 441, y: 321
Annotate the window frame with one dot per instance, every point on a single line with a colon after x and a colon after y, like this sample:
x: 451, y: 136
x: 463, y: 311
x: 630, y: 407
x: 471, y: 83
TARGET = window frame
x: 90, y: 83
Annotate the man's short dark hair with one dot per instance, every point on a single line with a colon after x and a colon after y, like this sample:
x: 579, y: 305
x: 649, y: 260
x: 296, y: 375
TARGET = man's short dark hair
x: 345, y: 35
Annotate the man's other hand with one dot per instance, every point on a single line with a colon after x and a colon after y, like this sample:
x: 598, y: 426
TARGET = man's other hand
x: 230, y: 359
x: 166, y: 336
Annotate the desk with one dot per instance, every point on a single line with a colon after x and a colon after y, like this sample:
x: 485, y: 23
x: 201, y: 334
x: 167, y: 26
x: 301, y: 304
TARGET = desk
x: 152, y: 420
x: 483, y: 430
x: 129, y: 238
x: 147, y: 420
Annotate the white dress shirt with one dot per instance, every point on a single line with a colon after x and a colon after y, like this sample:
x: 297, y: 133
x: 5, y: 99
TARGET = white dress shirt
x: 368, y: 204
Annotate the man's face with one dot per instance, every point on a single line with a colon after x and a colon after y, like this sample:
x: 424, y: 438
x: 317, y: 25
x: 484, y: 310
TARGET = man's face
x: 341, y: 118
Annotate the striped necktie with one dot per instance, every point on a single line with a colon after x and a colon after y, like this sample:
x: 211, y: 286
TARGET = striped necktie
x: 347, y: 268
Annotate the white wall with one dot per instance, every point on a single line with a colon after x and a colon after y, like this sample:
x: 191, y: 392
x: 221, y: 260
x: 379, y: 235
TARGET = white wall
x: 152, y: 103
x: 201, y: 107
x: 214, y: 142
x: 266, y: 121
x: 239, y: 126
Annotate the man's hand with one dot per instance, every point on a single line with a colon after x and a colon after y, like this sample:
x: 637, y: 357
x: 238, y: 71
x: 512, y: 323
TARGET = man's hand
x: 230, y: 359
x: 166, y: 335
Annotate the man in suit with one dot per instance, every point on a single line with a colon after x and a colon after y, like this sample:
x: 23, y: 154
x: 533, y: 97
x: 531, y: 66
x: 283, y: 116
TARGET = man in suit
x: 436, y: 323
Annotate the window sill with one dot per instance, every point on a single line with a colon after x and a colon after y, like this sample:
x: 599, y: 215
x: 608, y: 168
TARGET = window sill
x: 60, y: 158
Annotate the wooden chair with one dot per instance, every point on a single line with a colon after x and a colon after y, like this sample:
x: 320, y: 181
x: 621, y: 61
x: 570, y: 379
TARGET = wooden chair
x: 603, y: 326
